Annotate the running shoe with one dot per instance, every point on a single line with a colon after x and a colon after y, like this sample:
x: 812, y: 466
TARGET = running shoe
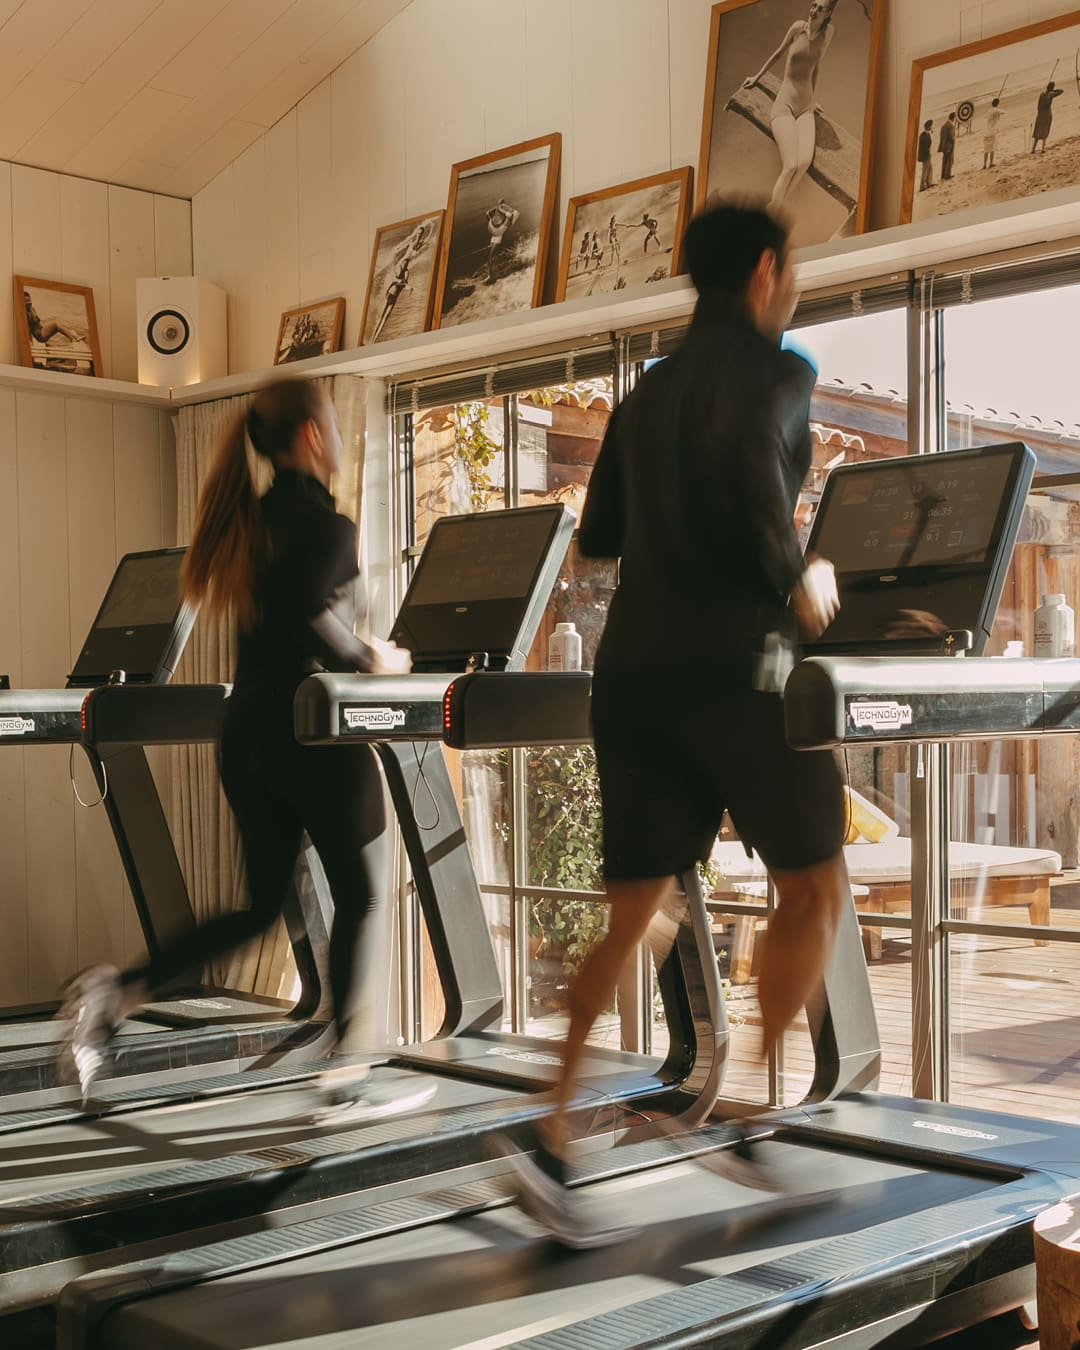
x: 92, y: 1010
x: 552, y: 1205
x: 352, y: 1094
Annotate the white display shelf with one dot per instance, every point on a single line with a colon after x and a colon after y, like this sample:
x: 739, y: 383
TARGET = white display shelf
x: 940, y: 242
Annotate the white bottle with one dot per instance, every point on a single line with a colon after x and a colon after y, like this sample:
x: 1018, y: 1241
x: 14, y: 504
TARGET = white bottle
x: 564, y: 648
x: 1054, y: 627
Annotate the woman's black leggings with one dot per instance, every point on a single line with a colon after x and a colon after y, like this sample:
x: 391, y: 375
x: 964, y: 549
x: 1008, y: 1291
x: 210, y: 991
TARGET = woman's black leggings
x: 277, y: 789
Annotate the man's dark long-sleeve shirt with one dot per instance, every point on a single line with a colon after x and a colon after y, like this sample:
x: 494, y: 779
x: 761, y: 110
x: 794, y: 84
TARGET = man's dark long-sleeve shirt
x: 694, y: 490
x: 308, y: 594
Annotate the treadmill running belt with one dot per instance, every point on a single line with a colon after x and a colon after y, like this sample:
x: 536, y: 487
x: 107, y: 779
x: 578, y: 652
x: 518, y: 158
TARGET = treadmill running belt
x: 488, y: 1281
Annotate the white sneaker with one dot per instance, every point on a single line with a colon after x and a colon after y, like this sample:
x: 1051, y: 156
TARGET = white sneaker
x: 92, y: 1008
x: 352, y: 1093
x: 557, y: 1209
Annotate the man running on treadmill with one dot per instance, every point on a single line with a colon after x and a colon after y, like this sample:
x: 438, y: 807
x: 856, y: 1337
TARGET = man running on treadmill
x: 694, y: 490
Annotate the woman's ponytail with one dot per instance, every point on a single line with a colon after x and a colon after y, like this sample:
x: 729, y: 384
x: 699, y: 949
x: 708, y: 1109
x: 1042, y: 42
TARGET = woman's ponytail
x: 219, y: 569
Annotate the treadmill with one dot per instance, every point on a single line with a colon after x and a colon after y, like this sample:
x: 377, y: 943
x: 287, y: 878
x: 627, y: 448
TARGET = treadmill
x: 131, y: 651
x: 913, y: 1219
x: 242, y: 1160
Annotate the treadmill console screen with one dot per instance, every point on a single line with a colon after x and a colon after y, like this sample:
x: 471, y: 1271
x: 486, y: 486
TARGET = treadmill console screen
x: 921, y: 546
x: 481, y: 585
x: 916, y: 515
x: 141, y: 627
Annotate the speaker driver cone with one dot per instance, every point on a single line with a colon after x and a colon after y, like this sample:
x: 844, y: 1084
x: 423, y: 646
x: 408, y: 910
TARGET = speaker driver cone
x: 168, y: 331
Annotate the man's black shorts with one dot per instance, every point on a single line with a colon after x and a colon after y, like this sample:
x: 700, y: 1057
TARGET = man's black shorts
x: 671, y: 759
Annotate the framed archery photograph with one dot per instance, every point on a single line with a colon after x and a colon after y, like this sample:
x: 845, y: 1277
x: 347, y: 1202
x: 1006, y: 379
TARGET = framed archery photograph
x: 497, y: 233
x: 310, y: 330
x: 994, y: 121
x: 401, y: 281
x: 789, y: 109
x: 56, y: 326
x: 629, y: 235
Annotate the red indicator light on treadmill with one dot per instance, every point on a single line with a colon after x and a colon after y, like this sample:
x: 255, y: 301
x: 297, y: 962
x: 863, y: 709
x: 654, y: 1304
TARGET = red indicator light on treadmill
x: 82, y: 714
x: 446, y: 708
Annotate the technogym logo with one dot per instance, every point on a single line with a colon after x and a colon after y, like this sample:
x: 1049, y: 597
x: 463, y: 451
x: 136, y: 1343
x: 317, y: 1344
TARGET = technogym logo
x: 16, y: 726
x: 881, y: 716
x: 374, y: 719
x: 939, y: 1128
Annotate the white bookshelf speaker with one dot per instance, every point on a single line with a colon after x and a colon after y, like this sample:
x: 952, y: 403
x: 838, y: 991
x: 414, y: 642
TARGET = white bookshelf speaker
x: 182, y: 330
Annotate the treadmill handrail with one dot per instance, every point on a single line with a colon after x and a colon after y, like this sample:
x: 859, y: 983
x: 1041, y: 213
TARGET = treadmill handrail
x: 149, y: 714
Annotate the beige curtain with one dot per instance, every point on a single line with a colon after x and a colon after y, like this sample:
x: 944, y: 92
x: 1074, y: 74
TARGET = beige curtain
x: 202, y: 824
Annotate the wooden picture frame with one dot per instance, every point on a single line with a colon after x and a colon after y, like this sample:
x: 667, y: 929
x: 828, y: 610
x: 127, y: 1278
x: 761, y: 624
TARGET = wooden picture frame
x: 994, y: 93
x: 401, y: 280
x: 492, y: 260
x: 599, y: 224
x: 56, y: 326
x: 747, y: 150
x: 310, y: 330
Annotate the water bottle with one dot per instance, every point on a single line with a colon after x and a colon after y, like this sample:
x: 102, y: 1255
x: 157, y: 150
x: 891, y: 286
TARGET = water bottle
x: 1054, y: 627
x: 564, y: 648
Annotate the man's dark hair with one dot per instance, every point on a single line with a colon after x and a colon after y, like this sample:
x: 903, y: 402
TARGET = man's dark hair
x: 952, y: 117
x: 724, y: 244
x: 928, y: 124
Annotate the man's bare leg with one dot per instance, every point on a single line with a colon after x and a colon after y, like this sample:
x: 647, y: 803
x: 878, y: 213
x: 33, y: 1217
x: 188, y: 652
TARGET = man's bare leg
x: 798, y: 942
x: 634, y: 904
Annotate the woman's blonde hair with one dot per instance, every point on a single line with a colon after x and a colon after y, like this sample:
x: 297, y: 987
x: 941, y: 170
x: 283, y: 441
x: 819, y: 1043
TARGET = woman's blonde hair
x: 228, y: 544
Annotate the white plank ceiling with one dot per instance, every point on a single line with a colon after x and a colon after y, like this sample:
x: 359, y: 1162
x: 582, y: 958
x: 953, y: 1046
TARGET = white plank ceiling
x: 163, y: 94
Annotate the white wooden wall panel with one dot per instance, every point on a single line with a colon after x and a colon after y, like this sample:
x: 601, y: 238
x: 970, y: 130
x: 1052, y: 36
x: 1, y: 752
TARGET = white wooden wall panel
x: 172, y: 237
x: 46, y: 649
x: 84, y: 242
x: 14, y: 956
x: 280, y: 233
x: 81, y: 481
x: 353, y: 231
x: 382, y: 111
x: 7, y: 321
x: 439, y: 133
x: 36, y: 234
x: 132, y: 250
x: 549, y: 86
x: 315, y: 158
x: 250, y: 303
x: 98, y: 897
x: 688, y: 50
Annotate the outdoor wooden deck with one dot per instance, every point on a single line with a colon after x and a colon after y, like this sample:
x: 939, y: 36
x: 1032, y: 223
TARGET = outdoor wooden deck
x: 1014, y: 1017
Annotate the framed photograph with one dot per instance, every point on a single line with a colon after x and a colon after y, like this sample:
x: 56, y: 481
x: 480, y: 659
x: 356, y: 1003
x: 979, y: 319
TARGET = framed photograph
x: 628, y: 235
x: 310, y: 330
x: 56, y: 326
x: 401, y: 282
x: 497, y: 232
x: 994, y: 120
x: 789, y: 109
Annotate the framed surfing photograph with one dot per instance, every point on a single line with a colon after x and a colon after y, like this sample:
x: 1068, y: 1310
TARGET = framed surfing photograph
x: 497, y: 233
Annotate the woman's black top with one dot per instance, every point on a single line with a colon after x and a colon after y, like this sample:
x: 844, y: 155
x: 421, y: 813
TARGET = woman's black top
x: 694, y: 490
x: 308, y: 596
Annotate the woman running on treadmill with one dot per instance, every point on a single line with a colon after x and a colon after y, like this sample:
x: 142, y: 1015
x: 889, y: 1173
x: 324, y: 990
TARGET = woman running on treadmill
x: 792, y: 122
x: 284, y: 566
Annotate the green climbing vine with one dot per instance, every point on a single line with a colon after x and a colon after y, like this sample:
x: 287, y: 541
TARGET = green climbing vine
x: 476, y: 449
